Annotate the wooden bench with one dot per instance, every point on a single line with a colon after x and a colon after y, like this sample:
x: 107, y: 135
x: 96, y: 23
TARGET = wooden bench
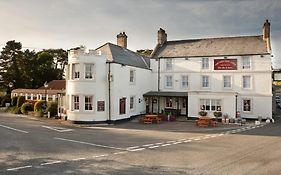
x: 147, y: 120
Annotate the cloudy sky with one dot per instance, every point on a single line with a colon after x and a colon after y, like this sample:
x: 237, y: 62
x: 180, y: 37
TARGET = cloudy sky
x: 70, y: 23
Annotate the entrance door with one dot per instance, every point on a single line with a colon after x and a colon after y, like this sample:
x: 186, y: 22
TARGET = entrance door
x: 155, y: 106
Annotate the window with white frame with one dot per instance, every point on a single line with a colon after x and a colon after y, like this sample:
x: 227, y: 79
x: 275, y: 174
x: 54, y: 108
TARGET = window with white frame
x: 227, y: 81
x: 205, y: 81
x: 75, y: 102
x: 89, y: 71
x: 246, y: 64
x: 75, y: 71
x: 246, y: 82
x: 210, y: 104
x: 34, y: 96
x: 169, y: 64
x: 88, y: 103
x: 205, y: 63
x: 247, y: 105
x: 184, y: 81
x: 132, y: 102
x: 132, y: 76
x: 169, y: 81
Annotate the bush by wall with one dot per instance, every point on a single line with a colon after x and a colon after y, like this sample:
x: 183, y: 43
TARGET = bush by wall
x: 52, y: 107
x: 14, y: 101
x: 26, y: 107
x: 21, y: 100
x: 5, y: 99
x: 17, y: 110
x: 38, y: 106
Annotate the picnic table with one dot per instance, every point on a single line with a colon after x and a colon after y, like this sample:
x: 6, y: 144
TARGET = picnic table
x: 206, y: 121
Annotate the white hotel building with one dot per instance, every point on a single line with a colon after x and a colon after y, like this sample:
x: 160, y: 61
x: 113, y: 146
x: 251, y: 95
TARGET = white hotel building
x: 227, y: 74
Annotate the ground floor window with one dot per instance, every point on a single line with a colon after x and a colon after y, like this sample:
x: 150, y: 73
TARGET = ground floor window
x: 75, y: 99
x: 169, y: 102
x: 210, y: 104
x: 247, y: 107
x: 122, y: 106
x: 88, y: 103
x: 132, y: 103
x: 34, y: 97
x: 184, y: 103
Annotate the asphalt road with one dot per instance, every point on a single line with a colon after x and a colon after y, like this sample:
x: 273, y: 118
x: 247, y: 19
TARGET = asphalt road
x: 39, y: 147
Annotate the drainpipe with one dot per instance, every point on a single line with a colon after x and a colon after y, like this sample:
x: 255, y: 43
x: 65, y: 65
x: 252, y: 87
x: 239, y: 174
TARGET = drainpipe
x: 158, y: 100
x: 109, y: 94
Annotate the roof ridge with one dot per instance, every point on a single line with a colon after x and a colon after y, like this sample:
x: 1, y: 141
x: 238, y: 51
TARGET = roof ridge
x: 226, y: 37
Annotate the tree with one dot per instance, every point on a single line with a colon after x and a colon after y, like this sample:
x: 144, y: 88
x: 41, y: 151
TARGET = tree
x: 10, y: 64
x: 144, y: 52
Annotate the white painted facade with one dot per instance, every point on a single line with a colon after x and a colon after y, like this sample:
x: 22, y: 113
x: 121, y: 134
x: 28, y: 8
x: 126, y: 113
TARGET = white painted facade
x: 259, y: 93
x: 98, y: 88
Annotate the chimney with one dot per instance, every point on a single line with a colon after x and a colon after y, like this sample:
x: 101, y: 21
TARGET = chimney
x: 162, y: 36
x: 122, y: 40
x: 266, y: 34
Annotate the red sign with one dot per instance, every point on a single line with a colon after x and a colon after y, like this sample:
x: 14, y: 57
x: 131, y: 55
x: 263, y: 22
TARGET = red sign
x: 225, y: 64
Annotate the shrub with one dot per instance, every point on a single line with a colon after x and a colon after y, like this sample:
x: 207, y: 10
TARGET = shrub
x: 26, y: 107
x: 5, y: 99
x: 217, y: 114
x: 14, y: 101
x: 21, y: 100
x: 38, y: 106
x: 202, y: 113
x: 52, y: 107
x: 17, y: 110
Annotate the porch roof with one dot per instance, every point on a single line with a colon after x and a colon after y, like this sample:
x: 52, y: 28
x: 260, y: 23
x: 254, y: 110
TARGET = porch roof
x: 165, y: 94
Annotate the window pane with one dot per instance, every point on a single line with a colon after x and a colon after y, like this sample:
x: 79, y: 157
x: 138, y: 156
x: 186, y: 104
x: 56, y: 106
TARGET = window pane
x: 89, y: 71
x: 88, y: 103
x: 132, y: 76
x: 132, y: 100
x: 227, y: 81
x: 169, y: 64
x: 205, y: 81
x: 169, y: 81
x: 75, y: 71
x: 246, y: 82
x: 246, y: 63
x: 184, y: 81
x: 246, y: 105
x: 205, y: 63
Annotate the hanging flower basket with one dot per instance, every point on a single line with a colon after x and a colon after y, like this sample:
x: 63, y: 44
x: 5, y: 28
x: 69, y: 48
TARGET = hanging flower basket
x: 202, y: 113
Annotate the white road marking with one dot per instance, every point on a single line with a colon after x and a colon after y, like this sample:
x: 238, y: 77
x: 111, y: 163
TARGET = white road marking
x: 86, y: 143
x: 77, y: 159
x: 171, y: 141
x: 18, y: 168
x: 14, y: 129
x: 153, y: 147
x: 181, y: 139
x: 58, y: 129
x: 149, y: 144
x: 158, y: 143
x: 139, y: 149
x: 123, y: 152
x: 176, y: 143
x: 186, y: 141
x: 50, y: 163
x: 133, y: 147
x: 103, y: 155
x: 168, y: 144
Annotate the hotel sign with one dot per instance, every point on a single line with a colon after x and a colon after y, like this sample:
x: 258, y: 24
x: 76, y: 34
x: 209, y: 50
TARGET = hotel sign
x: 225, y: 64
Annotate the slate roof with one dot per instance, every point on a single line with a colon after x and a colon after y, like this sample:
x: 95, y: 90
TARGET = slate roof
x: 120, y: 55
x: 55, y: 85
x: 225, y: 46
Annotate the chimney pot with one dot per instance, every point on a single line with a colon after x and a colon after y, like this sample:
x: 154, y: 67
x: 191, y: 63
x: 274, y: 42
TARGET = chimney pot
x: 122, y: 39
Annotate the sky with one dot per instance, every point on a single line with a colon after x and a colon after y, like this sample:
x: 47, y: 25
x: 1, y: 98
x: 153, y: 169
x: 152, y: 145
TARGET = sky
x: 66, y: 24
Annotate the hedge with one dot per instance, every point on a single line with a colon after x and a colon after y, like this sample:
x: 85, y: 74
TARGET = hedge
x: 5, y: 99
x: 52, y: 107
x: 21, y: 100
x: 14, y: 101
x: 26, y: 107
x: 38, y: 106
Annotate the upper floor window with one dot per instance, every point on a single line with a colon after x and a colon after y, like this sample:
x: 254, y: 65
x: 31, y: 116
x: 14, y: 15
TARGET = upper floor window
x: 246, y: 64
x: 89, y: 71
x: 88, y: 103
x: 75, y: 99
x: 75, y: 71
x: 169, y: 64
x: 205, y: 81
x: 184, y: 81
x: 205, y: 63
x: 246, y: 81
x: 132, y: 76
x: 227, y: 81
x: 169, y: 81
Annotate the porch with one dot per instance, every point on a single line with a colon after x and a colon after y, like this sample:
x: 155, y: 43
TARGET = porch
x: 167, y: 103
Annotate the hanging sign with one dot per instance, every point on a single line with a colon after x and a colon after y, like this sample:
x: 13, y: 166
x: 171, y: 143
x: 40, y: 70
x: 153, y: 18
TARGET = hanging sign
x: 225, y: 64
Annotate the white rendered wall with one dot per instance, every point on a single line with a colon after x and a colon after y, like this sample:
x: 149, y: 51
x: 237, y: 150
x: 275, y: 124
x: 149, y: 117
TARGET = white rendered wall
x: 121, y: 87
